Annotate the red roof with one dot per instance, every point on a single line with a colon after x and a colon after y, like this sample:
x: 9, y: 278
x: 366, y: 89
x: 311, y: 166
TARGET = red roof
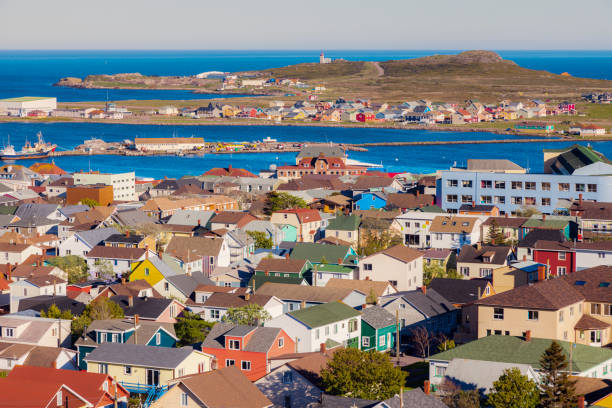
x: 303, y: 214
x: 229, y: 171
x: 47, y: 168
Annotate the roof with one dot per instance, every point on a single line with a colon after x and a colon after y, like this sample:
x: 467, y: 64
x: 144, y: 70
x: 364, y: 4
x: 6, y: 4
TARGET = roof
x: 367, y: 182
x: 593, y: 283
x: 430, y: 303
x: 574, y: 158
x: 451, y: 224
x: 233, y: 217
x: 317, y: 150
x: 145, y: 330
x: 47, y: 168
x: 315, y: 252
x: 310, y: 365
x: 95, y: 236
x: 436, y: 253
x: 541, y: 234
x: 415, y: 398
x: 505, y: 222
x: 146, y: 308
x: 377, y: 317
x: 492, y: 165
x: 364, y: 286
x: 588, y: 322
x: 260, y: 341
x: 404, y: 200
x: 591, y: 210
x: 108, y: 252
x: 139, y: 355
x: 344, y: 223
x: 187, y: 284
x: 336, y: 401
x: 281, y: 265
x: 320, y: 294
x: 180, y: 247
x: 125, y: 239
x: 497, y: 255
x: 43, y: 302
x: 226, y: 387
x: 458, y: 291
x: 538, y: 221
x: 227, y: 300
x: 25, y: 99
x: 476, y: 207
x: 304, y: 215
x: 510, y: 349
x: 324, y: 314
x: 552, y: 294
x: 190, y: 217
x: 229, y: 171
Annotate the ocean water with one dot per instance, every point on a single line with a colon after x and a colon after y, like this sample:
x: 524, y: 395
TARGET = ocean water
x: 417, y: 159
x: 33, y: 72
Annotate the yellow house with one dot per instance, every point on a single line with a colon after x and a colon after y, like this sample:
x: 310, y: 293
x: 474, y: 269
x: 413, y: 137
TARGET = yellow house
x: 512, y: 276
x: 151, y: 269
x: 134, y: 364
x: 228, y: 111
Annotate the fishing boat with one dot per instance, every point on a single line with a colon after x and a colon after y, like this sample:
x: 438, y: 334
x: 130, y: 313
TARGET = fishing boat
x: 40, y: 150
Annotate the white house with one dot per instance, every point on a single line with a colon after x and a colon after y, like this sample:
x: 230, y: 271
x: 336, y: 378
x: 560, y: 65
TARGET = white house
x: 414, y: 227
x: 400, y: 265
x: 329, y: 324
x: 590, y: 254
x: 35, y: 286
x: 83, y: 241
x: 451, y: 232
x: 37, y: 331
x: 17, y: 253
x: 216, y: 306
x: 120, y: 258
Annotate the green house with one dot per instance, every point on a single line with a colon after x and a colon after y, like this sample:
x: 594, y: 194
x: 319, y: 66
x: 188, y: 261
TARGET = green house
x: 283, y: 267
x: 378, y: 329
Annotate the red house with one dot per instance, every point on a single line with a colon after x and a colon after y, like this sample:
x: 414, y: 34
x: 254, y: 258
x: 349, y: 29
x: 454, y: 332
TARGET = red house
x: 559, y: 256
x: 247, y: 347
x: 566, y: 107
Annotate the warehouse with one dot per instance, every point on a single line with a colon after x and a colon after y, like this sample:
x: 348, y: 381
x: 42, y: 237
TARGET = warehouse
x: 26, y: 104
x: 168, y: 144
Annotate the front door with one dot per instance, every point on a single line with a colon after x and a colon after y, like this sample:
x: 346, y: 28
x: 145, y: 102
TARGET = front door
x: 152, y: 377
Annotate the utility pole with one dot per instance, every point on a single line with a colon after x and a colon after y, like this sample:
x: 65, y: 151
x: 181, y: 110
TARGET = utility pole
x: 397, y: 337
x: 115, y: 382
x: 571, y: 357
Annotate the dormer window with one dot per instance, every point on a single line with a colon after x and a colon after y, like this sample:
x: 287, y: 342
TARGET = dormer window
x: 234, y: 344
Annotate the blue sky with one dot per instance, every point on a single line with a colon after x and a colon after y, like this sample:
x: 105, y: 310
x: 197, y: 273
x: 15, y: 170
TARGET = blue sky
x: 314, y: 24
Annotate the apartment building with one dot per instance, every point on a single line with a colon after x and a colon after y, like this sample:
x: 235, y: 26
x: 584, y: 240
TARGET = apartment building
x: 124, y: 184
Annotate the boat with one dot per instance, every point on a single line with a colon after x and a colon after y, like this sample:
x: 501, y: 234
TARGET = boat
x: 40, y: 150
x: 269, y: 140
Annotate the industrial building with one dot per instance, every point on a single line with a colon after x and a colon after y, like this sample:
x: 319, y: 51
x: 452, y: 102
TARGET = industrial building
x: 24, y: 105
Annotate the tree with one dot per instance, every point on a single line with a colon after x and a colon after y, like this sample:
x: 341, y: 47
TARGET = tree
x: 262, y: 240
x: 372, y: 298
x: 74, y: 266
x: 444, y: 343
x: 558, y: 391
x: 378, y: 241
x: 362, y: 374
x: 250, y: 315
x: 77, y: 327
x: 514, y: 390
x: 104, y: 270
x: 455, y: 397
x: 191, y: 329
x: 55, y: 313
x: 527, y: 211
x: 422, y: 340
x: 90, y: 202
x: 496, y: 236
x: 283, y: 201
x: 103, y: 309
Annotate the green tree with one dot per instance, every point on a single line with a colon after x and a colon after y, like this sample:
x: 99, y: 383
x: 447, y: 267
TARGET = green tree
x: 55, y: 313
x: 372, y: 298
x: 74, y: 266
x: 276, y: 201
x: 104, y: 269
x: 191, y: 329
x: 360, y: 374
x: 514, y: 390
x: 262, y: 240
x: 378, y: 241
x: 90, y: 202
x: 527, y: 211
x: 103, y: 309
x: 78, y: 326
x: 462, y: 399
x: 557, y: 390
x: 496, y: 236
x: 250, y: 315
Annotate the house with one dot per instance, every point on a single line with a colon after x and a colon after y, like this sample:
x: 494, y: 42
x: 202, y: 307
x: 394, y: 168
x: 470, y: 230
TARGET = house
x: 160, y: 310
x: 320, y: 254
x: 559, y: 257
x: 517, y: 274
x: 40, y: 393
x: 329, y: 324
x: 152, y: 270
x: 296, y: 297
x: 488, y: 352
x: 421, y: 308
x: 134, y: 331
x: 270, y: 230
x: 524, y: 249
x: 587, y: 130
x: 230, y: 220
x: 453, y: 232
x: 84, y: 241
x: 191, y: 218
x: 591, y: 254
x: 163, y: 207
x: 414, y: 226
x: 141, y: 365
x: 13, y: 355
x: 303, y: 221
x: 400, y: 265
x: 373, y: 289
x: 36, y: 331
x: 444, y: 258
x: 229, y: 171
x: 284, y: 267
x: 408, y: 201
x: 217, y: 304
x: 196, y: 254
x: 595, y: 218
x: 378, y: 329
x: 119, y: 258
x: 183, y: 286
x: 370, y: 200
x: 247, y: 347
x: 35, y: 286
x: 216, y: 389
x: 566, y: 225
x: 344, y: 227
x: 33, y: 305
x: 13, y: 253
x: 480, y: 261
x: 509, y: 227
x: 129, y: 241
x: 460, y: 292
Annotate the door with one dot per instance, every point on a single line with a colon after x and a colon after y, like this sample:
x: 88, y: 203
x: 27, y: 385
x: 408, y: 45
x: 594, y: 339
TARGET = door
x: 152, y: 377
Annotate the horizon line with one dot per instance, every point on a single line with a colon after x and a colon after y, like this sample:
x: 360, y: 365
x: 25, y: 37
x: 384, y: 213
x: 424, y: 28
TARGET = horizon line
x: 307, y: 49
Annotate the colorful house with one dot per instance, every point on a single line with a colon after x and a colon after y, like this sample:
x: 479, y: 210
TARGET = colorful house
x: 378, y: 329
x: 370, y: 200
x: 247, y: 347
x: 151, y: 269
x: 287, y: 268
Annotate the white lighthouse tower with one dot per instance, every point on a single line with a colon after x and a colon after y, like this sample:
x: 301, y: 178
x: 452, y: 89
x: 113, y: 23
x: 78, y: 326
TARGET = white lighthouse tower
x: 323, y: 60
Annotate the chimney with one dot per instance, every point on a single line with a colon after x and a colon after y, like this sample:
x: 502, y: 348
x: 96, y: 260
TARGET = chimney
x: 229, y: 167
x: 541, y: 273
x: 339, y: 261
x: 123, y: 281
x: 418, y: 193
x: 364, y: 306
x: 303, y: 305
x: 10, y: 269
x: 543, y: 217
x: 287, y: 255
x: 131, y: 301
x: 580, y: 199
x: 473, y: 204
x: 146, y: 252
x: 323, y: 348
x: 267, y: 272
x: 493, y: 242
x: 136, y: 320
x: 524, y: 258
x: 424, y: 289
x: 528, y: 335
x: 506, y: 215
x: 54, y: 364
x: 199, y: 223
x: 127, y: 233
x: 581, y: 401
x: 479, y: 293
x: 426, y: 387
x: 247, y: 296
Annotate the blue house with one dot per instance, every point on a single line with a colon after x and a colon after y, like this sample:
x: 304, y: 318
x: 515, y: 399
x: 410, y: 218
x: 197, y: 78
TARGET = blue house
x: 288, y: 233
x: 124, y: 331
x: 371, y: 200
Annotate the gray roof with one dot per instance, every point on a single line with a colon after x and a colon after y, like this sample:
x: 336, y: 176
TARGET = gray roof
x: 492, y: 165
x: 139, y: 355
x: 72, y: 209
x: 34, y: 222
x: 162, y: 267
x: 36, y: 210
x: 93, y: 237
x: 260, y: 341
x: 131, y: 218
x: 430, y: 304
x: 316, y: 150
x: 146, y: 308
x: 5, y: 220
x: 187, y: 283
x: 377, y: 317
x: 478, y: 374
x: 190, y: 217
x: 416, y: 398
x: 145, y: 330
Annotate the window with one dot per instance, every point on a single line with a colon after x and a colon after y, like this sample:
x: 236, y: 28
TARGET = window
x: 500, y: 184
x: 365, y: 341
x: 287, y: 377
x: 59, y: 399
x: 595, y: 336
x: 530, y: 185
x: 157, y: 339
x: 327, y: 330
x: 439, y: 371
x: 466, y: 199
x: 579, y: 187
x: 498, y: 313
x: 281, y: 342
x: 484, y: 272
x: 317, y: 334
x: 571, y: 310
x: 146, y: 271
x: 592, y: 188
x: 127, y: 370
x: 103, y: 368
x: 517, y: 200
x: 533, y: 315
x: 367, y: 267
x: 500, y: 200
x: 452, y: 183
x: 497, y: 332
x: 564, y: 187
x: 336, y: 328
x: 546, y: 201
x: 485, y: 200
x: 530, y: 201
x: 486, y: 184
x: 488, y: 332
x: 562, y: 256
x: 184, y: 399
x: 451, y: 198
x: 245, y: 365
x: 229, y: 363
x: 166, y: 286
x: 560, y: 315
x: 352, y: 325
x: 382, y: 340
x: 9, y: 332
x: 595, y: 308
x: 545, y: 186
x: 608, y: 309
x: 517, y: 185
x: 466, y: 183
x: 215, y: 314
x: 561, y: 270
x: 234, y: 345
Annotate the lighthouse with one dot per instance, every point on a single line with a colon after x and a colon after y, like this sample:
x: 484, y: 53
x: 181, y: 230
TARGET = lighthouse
x: 323, y: 60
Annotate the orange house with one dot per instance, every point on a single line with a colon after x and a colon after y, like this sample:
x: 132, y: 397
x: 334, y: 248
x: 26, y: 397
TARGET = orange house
x: 101, y: 193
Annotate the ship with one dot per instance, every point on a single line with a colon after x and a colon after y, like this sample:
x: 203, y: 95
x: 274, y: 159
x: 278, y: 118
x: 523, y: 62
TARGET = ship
x: 40, y: 150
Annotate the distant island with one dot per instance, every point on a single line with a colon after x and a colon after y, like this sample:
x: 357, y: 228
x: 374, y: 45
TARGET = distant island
x: 481, y: 75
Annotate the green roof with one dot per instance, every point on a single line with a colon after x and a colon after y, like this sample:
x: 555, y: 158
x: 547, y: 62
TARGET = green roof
x: 431, y: 209
x: 345, y: 223
x: 322, y: 315
x: 575, y: 157
x: 510, y: 349
x: 259, y: 280
x: 547, y: 224
x: 25, y: 99
x: 334, y: 268
x: 315, y: 252
x: 8, y: 209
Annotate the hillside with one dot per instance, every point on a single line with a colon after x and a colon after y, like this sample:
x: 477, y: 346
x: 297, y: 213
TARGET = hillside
x: 472, y: 74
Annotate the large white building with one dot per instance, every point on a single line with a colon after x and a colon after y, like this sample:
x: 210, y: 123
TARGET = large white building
x: 124, y: 184
x: 168, y: 144
x: 23, y: 105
